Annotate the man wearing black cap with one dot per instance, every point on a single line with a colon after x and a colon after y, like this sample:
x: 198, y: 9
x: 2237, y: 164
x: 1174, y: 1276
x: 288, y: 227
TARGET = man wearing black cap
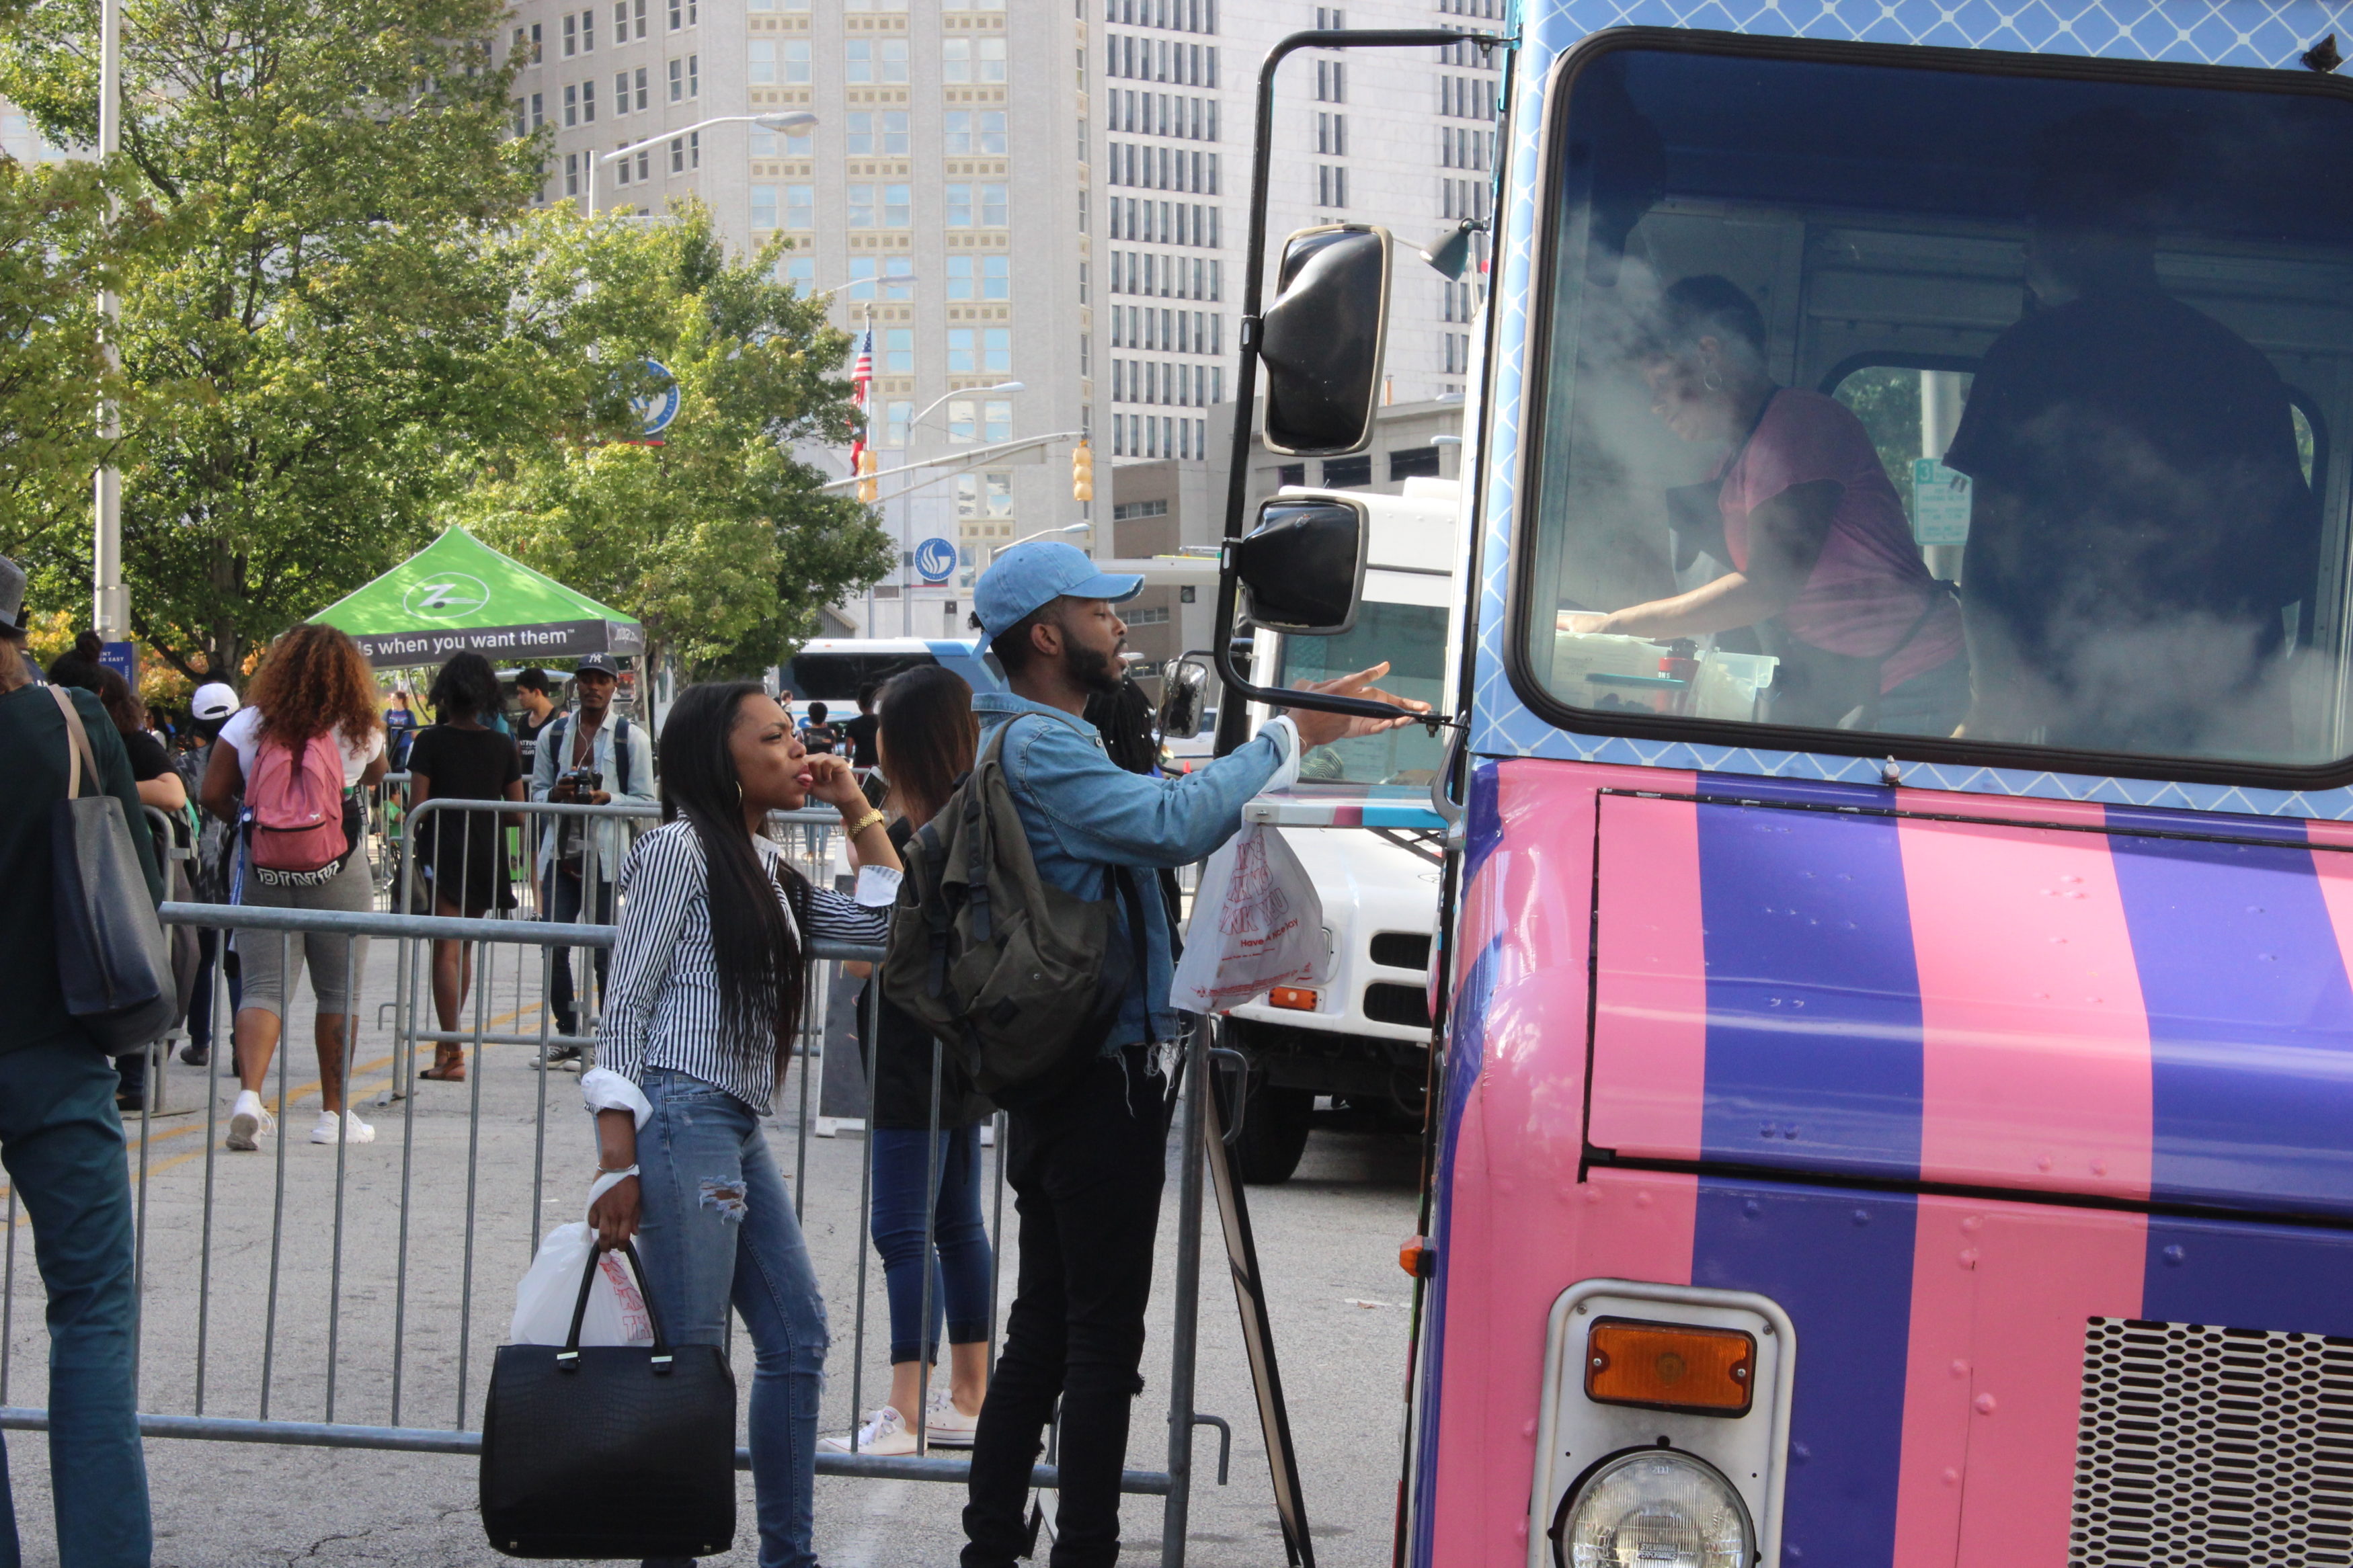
x: 61, y: 1132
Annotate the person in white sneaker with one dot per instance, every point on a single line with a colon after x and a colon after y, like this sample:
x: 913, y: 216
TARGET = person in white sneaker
x: 925, y: 735
x: 315, y: 683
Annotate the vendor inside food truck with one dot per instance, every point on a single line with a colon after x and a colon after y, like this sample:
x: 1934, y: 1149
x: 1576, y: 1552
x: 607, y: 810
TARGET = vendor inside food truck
x: 2141, y: 528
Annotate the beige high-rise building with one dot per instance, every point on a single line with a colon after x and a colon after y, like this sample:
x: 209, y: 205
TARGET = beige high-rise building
x: 1111, y: 137
x: 943, y: 196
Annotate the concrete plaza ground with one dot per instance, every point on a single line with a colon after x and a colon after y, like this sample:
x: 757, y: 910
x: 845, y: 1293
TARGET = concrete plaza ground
x: 1327, y: 1244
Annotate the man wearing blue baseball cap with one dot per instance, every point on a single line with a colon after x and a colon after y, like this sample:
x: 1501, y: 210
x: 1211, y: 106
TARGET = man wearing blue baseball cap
x: 1086, y: 1164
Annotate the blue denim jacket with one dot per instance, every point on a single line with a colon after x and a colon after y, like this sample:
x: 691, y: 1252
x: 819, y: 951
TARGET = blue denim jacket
x: 1086, y: 814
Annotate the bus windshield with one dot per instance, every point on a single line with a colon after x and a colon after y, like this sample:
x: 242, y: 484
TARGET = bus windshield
x: 1910, y: 400
x: 1412, y: 637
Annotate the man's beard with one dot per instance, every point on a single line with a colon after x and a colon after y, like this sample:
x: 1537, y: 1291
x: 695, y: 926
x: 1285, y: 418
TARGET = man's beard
x: 1101, y: 673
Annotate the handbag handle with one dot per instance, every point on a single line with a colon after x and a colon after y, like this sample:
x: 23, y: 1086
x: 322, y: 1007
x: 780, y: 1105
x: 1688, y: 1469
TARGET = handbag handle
x: 77, y: 744
x: 568, y: 1357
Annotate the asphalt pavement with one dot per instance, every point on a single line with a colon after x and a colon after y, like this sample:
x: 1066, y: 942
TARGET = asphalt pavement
x: 347, y: 1332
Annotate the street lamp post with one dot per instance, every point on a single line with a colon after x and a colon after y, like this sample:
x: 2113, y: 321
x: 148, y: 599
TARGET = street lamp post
x: 110, y: 600
x: 792, y: 122
x: 997, y: 550
x: 907, y: 498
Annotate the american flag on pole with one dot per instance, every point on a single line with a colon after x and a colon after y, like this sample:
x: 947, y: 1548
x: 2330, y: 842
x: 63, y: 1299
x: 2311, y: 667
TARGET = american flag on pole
x: 862, y: 382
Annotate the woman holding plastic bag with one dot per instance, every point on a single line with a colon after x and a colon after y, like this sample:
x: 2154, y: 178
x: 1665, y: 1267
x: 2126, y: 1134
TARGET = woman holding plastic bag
x: 699, y: 1022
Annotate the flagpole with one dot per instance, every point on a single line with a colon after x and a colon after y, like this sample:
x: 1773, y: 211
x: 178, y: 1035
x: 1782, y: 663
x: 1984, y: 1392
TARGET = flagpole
x: 862, y: 373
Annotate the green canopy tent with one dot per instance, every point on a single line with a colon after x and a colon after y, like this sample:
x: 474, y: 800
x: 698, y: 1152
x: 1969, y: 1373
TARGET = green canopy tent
x: 458, y: 595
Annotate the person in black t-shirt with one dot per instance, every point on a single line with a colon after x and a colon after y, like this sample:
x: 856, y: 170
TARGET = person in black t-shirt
x: 462, y: 854
x: 2140, y: 524
x: 926, y: 737
x: 537, y: 693
x: 860, y: 732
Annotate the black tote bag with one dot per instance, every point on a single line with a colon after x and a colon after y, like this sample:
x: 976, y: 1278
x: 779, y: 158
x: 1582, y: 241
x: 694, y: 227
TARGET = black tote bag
x: 595, y: 1451
x: 113, y: 964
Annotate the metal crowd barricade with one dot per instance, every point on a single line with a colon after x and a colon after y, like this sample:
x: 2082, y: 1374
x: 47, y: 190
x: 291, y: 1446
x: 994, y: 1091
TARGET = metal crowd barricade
x: 381, y: 1265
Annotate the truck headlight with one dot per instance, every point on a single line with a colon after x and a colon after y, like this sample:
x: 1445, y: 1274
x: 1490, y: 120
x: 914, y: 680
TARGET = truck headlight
x: 1654, y: 1508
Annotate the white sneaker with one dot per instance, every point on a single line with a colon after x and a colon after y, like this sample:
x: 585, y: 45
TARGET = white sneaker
x: 945, y: 1425
x: 883, y: 1434
x: 349, y: 1130
x: 248, y: 1121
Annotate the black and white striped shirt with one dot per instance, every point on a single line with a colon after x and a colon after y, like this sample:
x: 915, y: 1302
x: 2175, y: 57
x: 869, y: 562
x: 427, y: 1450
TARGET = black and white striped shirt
x: 661, y: 1005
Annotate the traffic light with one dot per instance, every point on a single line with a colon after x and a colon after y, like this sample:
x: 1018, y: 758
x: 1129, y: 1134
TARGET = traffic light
x: 869, y: 488
x: 1083, y: 472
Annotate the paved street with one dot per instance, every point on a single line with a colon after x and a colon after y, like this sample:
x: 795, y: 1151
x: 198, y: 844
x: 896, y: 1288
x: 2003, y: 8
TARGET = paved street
x: 1327, y: 1240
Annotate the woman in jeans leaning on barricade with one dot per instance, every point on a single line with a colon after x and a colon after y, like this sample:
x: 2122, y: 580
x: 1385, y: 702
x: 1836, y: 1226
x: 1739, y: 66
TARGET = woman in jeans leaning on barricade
x: 314, y: 682
x: 927, y: 737
x: 705, y: 1000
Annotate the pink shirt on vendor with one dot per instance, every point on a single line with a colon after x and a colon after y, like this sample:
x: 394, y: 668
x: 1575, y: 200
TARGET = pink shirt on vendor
x: 1868, y: 586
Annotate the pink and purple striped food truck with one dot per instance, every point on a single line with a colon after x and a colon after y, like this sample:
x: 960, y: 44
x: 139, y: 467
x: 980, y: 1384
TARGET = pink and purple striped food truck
x: 1894, y: 1096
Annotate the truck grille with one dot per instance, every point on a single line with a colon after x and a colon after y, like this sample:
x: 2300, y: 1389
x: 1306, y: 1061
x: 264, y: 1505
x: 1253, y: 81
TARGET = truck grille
x: 2208, y: 1447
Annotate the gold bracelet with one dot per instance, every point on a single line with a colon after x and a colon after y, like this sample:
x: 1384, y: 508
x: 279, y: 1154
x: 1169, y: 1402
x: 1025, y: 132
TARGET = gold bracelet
x: 873, y: 816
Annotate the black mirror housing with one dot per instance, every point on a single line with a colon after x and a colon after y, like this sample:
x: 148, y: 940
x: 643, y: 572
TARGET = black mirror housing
x: 1322, y: 341
x: 1302, y: 568
x: 1184, y: 686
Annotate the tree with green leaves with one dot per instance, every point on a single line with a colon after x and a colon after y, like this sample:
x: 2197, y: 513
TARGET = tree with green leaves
x: 717, y: 538
x: 325, y: 316
x: 58, y: 249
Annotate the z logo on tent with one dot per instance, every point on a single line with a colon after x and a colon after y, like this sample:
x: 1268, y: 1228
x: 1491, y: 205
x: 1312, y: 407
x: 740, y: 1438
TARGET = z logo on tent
x: 445, y: 595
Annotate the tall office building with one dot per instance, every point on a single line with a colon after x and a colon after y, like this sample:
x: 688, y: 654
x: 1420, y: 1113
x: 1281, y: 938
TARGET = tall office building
x: 945, y: 128
x: 1402, y: 138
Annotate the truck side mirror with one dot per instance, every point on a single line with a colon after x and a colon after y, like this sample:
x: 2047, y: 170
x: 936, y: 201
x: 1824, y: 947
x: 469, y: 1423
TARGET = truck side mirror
x: 1302, y: 568
x: 1183, y: 683
x: 1321, y: 339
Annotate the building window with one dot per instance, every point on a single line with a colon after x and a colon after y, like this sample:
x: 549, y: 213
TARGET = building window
x: 960, y: 420
x: 588, y: 103
x: 538, y: 110
x: 1331, y: 134
x: 678, y: 81
x: 881, y: 131
x: 570, y: 34
x: 571, y: 106
x: 1413, y: 463
x: 694, y: 76
x: 521, y: 127
x: 587, y: 31
x: 894, y: 423
x: 861, y: 206
x: 962, y: 359
x: 1331, y: 81
x: 992, y: 207
x: 959, y: 205
x: 797, y: 65
x: 799, y: 275
x: 621, y: 172
x: 643, y: 100
x: 898, y: 207
x: 686, y: 153
x: 899, y: 350
x: 764, y: 205
x: 972, y: 59
x: 897, y: 273
x: 997, y: 420
x: 620, y: 93
x: 646, y: 164
x: 997, y: 348
x: 875, y: 60
x: 572, y: 173
x: 1330, y: 185
x: 1291, y: 474
x: 967, y: 495
x: 760, y: 62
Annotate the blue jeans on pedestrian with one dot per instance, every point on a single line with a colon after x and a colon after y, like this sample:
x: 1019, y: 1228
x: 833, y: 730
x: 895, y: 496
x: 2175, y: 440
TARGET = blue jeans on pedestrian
x: 717, y: 1227
x: 960, y: 1266
x: 566, y: 901
x: 61, y: 1142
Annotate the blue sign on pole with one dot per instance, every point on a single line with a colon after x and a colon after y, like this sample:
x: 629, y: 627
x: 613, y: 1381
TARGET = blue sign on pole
x: 936, y: 559
x: 122, y: 657
x: 658, y: 407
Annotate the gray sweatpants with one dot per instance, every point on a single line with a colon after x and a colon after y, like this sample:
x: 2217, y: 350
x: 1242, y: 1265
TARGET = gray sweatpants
x: 262, y: 954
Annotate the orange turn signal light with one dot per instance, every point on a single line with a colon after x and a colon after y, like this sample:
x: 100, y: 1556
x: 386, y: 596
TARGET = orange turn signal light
x: 1669, y: 1366
x: 1296, y: 998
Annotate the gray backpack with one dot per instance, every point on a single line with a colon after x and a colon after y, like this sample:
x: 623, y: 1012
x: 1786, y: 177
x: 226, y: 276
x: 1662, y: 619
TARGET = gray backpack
x: 1020, y: 977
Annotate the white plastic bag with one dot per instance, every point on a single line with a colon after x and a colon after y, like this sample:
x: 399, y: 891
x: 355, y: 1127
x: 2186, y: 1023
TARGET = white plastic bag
x: 1257, y: 923
x: 616, y: 1311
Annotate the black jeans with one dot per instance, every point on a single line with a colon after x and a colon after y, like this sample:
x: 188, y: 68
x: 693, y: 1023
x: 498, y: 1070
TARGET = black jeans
x: 1086, y: 1170
x: 565, y: 905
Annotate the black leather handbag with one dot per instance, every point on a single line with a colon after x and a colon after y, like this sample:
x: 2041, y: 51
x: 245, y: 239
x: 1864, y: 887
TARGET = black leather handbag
x: 609, y: 1450
x: 113, y: 964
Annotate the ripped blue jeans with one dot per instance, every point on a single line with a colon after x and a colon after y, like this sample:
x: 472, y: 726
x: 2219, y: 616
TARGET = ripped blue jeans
x: 717, y: 1227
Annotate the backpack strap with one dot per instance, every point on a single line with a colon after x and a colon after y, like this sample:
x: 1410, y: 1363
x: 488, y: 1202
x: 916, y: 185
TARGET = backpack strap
x: 1132, y: 905
x: 621, y: 754
x: 980, y: 854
